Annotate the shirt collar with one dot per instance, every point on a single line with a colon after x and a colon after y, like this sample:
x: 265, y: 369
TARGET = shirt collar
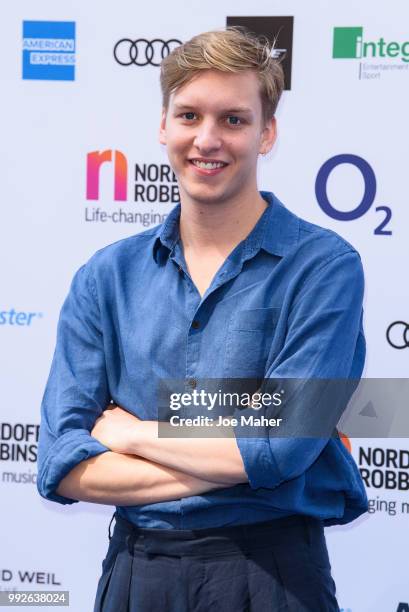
x: 167, y: 235
x: 276, y: 231
x: 282, y: 227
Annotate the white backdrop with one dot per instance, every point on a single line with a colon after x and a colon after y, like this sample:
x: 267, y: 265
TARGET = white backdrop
x: 355, y: 106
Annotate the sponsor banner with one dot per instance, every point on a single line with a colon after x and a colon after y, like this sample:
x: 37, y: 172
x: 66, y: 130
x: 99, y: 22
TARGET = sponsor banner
x: 377, y: 55
x: 83, y: 168
x: 142, y: 52
x: 49, y: 50
x: 18, y: 453
x: 278, y: 31
x: 143, y: 183
x: 383, y: 223
x: 19, y: 318
x: 397, y: 334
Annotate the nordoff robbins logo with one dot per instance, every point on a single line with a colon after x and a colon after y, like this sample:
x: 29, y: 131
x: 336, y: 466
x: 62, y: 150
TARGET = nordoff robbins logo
x: 349, y: 43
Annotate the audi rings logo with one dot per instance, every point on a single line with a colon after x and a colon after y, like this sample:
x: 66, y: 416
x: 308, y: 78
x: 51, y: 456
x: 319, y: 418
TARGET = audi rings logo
x: 142, y: 52
x: 397, y: 334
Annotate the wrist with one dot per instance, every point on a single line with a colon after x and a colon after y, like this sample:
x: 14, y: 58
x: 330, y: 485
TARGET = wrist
x: 140, y: 435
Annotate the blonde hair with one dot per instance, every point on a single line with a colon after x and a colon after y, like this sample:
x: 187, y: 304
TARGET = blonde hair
x: 231, y: 50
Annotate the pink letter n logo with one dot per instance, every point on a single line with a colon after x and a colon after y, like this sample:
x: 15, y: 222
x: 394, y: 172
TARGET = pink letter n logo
x: 94, y: 163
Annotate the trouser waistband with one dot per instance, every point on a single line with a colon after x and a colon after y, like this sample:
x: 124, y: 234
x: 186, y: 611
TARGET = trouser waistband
x: 215, y: 540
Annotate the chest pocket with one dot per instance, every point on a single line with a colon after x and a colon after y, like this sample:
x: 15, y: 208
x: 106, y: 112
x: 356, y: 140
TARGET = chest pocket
x: 249, y: 336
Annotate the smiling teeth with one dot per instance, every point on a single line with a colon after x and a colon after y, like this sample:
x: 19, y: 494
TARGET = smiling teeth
x: 208, y: 165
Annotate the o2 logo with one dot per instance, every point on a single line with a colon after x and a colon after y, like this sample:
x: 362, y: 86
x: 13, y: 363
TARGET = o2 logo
x: 368, y: 176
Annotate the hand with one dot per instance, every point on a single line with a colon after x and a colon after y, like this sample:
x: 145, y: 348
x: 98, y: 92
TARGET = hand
x: 116, y: 429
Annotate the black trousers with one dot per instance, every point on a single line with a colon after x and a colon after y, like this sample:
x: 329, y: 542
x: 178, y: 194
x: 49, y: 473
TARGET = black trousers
x: 278, y: 566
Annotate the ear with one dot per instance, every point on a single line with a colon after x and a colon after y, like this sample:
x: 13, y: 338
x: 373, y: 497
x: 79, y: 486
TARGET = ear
x: 162, y: 128
x: 268, y: 136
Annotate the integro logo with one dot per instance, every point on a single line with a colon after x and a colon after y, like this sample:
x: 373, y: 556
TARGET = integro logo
x: 365, y: 170
x: 49, y: 50
x: 153, y: 183
x: 349, y: 43
x: 19, y: 318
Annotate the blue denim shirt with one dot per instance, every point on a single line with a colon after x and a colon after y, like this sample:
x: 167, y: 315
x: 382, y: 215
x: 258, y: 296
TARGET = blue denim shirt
x: 287, y: 302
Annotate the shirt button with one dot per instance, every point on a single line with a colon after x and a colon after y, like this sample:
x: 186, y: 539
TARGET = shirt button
x: 192, y: 383
x: 195, y: 324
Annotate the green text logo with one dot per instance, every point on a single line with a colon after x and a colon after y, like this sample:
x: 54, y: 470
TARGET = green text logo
x: 348, y: 43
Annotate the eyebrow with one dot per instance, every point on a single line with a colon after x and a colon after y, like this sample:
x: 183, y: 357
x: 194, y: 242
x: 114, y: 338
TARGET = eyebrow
x: 242, y: 109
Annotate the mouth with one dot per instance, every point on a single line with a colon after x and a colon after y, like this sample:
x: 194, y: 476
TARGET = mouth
x: 208, y: 167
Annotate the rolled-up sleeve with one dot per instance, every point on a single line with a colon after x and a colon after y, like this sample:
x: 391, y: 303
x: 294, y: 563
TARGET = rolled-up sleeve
x: 77, y: 389
x: 324, y: 340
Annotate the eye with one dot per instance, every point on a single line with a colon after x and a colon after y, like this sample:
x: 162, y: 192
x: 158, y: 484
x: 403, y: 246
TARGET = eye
x: 189, y: 115
x: 233, y: 120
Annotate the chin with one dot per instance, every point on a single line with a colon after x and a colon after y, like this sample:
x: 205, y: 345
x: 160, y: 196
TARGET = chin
x: 207, y: 197
x: 204, y: 195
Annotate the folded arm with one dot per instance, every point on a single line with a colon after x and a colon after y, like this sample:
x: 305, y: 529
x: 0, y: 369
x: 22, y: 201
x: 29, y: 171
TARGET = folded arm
x: 217, y: 459
x: 123, y: 480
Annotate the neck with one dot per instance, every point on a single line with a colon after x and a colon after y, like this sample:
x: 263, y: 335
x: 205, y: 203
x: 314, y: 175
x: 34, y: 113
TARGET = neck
x: 219, y: 226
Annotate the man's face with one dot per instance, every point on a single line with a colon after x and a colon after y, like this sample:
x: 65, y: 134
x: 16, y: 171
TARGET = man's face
x: 214, y: 132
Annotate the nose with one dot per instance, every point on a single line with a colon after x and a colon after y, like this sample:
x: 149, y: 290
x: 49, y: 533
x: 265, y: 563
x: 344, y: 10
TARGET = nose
x: 208, y: 137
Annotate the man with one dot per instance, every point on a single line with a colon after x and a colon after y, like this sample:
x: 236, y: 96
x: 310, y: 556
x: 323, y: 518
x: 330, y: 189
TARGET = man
x: 232, y: 285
